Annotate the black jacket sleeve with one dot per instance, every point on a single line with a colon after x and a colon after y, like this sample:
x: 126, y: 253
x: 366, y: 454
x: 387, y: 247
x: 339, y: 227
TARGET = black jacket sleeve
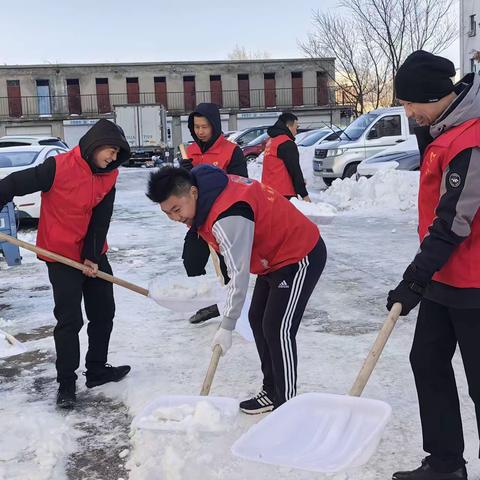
x: 98, y: 228
x: 36, y: 179
x: 195, y: 254
x: 238, y: 164
x: 288, y: 152
x: 456, y: 209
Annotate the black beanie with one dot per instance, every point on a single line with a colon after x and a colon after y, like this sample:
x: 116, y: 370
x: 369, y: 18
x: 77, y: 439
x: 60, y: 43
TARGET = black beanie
x: 424, y: 78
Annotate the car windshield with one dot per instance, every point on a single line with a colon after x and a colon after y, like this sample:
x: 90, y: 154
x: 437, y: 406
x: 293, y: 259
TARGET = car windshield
x: 355, y: 129
x: 258, y: 140
x: 17, y: 159
x: 313, y: 138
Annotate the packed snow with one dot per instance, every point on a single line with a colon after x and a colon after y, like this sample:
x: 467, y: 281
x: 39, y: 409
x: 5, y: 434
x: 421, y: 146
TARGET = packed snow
x: 318, y: 212
x: 371, y: 241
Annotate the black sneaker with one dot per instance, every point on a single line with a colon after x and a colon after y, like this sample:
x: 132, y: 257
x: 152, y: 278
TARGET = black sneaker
x: 261, y: 403
x: 105, y: 374
x: 205, y: 314
x: 426, y: 472
x: 66, y: 397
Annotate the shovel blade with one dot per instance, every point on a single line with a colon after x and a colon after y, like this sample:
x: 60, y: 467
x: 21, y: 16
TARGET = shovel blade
x: 317, y: 432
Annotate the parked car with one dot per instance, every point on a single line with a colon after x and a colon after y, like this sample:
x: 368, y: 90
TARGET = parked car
x: 367, y: 135
x: 307, y: 146
x: 247, y: 135
x: 253, y: 149
x: 14, y: 159
x: 229, y: 133
x: 24, y: 140
x: 404, y: 156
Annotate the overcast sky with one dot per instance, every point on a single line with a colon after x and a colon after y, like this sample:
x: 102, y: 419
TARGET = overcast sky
x: 88, y: 31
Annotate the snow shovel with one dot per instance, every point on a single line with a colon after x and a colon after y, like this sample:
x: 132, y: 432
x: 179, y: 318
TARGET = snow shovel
x: 9, y: 345
x: 180, y: 412
x: 323, y: 432
x: 183, y: 305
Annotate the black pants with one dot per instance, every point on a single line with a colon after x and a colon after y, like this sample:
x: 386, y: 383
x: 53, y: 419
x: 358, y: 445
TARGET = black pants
x: 278, y: 302
x: 69, y: 285
x: 437, y: 333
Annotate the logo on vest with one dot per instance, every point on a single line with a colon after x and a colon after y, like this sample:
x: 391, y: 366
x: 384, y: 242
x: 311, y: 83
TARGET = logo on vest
x: 454, y: 180
x: 283, y: 284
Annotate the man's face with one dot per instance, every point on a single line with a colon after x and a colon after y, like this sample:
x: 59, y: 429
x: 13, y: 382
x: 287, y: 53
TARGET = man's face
x: 424, y: 113
x: 183, y: 208
x: 202, y: 128
x: 103, y: 156
x: 293, y: 127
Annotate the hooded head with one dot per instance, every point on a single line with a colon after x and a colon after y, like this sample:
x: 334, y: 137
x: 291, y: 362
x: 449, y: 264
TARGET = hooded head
x: 104, y: 147
x: 205, y: 125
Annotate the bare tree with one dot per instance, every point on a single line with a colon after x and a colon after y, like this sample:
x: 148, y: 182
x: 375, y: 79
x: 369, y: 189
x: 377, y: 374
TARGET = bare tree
x: 360, y: 73
x: 372, y: 39
x: 241, y: 53
x: 403, y: 26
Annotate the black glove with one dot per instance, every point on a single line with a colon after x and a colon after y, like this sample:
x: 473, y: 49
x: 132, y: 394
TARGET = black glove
x: 410, y: 290
x: 405, y: 295
x: 186, y: 163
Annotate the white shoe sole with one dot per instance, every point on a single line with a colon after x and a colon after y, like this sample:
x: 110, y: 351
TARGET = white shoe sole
x: 266, y: 409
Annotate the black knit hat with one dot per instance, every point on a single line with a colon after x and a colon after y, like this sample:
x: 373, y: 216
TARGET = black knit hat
x: 424, y: 78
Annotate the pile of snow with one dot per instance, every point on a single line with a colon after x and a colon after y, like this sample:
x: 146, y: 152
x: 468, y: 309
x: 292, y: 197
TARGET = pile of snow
x: 184, y: 288
x: 317, y: 212
x: 202, y: 416
x: 387, y: 190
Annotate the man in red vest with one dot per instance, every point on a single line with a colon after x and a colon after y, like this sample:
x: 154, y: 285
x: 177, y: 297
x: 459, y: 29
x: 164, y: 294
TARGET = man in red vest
x: 444, y: 276
x: 257, y: 231
x: 78, y: 191
x: 210, y: 148
x: 281, y: 164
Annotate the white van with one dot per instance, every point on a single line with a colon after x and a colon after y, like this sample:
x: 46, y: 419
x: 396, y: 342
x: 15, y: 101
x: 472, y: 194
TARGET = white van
x: 367, y: 135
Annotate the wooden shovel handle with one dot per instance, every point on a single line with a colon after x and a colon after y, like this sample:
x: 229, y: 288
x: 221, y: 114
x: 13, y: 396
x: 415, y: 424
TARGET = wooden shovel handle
x: 183, y: 152
x: 71, y: 263
x: 212, y: 368
x: 375, y: 352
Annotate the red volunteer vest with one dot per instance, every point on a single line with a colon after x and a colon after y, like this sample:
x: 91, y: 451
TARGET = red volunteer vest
x: 67, y: 207
x: 274, y: 171
x: 283, y: 235
x: 218, y: 155
x: 463, y: 267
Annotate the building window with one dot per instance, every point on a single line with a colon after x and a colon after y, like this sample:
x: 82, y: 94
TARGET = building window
x: 297, y: 88
x: 161, y: 91
x: 244, y: 90
x: 189, y: 95
x: 270, y: 89
x: 473, y: 26
x: 103, y: 95
x: 14, y: 98
x: 43, y: 97
x: 322, y: 88
x: 473, y: 66
x: 74, y: 99
x: 216, y: 93
x: 133, y: 90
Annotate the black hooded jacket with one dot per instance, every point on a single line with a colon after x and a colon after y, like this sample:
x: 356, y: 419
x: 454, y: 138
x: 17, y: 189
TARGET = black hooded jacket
x: 41, y: 178
x: 237, y: 165
x: 288, y: 152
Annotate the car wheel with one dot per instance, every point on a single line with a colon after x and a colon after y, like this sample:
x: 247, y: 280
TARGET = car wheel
x: 328, y: 181
x: 250, y: 158
x: 350, y: 171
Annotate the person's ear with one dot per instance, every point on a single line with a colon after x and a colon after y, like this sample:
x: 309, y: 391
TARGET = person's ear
x: 194, y: 192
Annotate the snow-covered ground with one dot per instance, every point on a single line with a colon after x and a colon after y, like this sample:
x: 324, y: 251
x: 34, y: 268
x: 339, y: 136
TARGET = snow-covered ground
x: 370, y: 242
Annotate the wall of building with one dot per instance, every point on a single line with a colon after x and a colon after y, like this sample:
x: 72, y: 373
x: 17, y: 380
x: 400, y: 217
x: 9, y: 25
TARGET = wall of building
x: 469, y: 36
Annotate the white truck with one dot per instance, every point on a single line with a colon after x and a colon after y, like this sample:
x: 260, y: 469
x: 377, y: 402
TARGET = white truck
x: 368, y: 135
x: 145, y: 128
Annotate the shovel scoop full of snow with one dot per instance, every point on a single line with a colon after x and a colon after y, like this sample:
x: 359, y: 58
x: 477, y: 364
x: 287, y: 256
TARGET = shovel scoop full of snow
x: 186, y: 294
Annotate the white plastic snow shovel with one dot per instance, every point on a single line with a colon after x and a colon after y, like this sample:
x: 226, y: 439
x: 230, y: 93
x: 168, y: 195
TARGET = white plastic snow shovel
x: 187, y: 412
x: 163, y: 299
x: 323, y: 432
